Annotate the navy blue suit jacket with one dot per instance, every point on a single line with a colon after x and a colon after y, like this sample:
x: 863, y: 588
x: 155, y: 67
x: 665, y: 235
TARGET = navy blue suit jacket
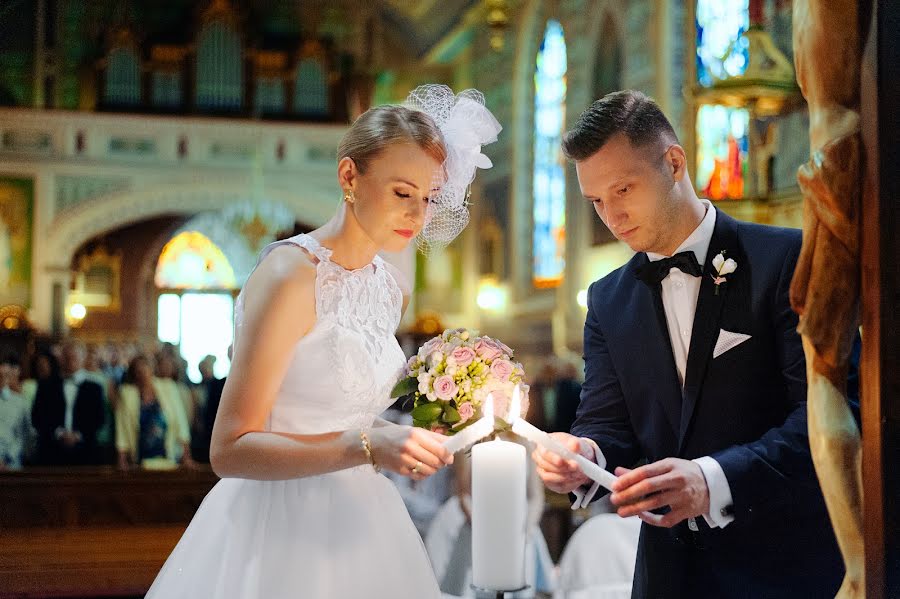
x: 746, y: 409
x: 49, y: 412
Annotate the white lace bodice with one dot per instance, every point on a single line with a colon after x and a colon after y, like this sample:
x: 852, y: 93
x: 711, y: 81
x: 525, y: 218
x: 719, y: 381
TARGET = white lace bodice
x: 343, y: 370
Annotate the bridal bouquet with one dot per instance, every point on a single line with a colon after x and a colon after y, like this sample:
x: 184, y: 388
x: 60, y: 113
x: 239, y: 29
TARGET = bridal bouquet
x: 452, y: 376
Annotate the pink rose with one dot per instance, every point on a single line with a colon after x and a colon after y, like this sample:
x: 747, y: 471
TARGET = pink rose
x: 487, y: 350
x: 501, y: 403
x: 501, y: 369
x: 466, y: 411
x: 463, y: 356
x: 444, y: 387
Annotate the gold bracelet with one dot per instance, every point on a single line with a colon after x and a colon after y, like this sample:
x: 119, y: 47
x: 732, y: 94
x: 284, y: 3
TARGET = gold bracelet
x: 367, y: 447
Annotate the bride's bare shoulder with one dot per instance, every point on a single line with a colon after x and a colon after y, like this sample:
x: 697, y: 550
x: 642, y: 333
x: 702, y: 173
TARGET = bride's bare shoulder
x: 287, y: 273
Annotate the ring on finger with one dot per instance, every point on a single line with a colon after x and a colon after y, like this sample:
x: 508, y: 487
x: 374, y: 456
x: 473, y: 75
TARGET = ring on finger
x: 415, y: 469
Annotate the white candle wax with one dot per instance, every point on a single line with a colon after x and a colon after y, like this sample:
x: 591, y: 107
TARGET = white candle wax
x: 590, y: 469
x: 523, y: 428
x: 498, y: 515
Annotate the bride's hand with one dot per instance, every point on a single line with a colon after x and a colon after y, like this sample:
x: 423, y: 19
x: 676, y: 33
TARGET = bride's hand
x: 413, y: 452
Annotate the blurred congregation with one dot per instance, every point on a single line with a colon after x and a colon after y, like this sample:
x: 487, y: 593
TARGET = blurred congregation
x: 77, y: 404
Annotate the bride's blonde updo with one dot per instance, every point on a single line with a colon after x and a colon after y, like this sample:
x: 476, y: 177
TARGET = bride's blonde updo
x: 379, y: 127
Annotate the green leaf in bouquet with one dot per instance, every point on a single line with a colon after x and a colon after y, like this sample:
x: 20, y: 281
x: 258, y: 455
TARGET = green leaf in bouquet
x: 405, y: 387
x: 427, y: 412
x: 451, y: 415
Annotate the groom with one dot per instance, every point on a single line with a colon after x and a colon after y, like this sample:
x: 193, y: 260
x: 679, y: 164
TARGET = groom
x: 693, y: 365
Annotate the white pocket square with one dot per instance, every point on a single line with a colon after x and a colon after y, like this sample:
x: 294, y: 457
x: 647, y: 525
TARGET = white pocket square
x: 728, y: 340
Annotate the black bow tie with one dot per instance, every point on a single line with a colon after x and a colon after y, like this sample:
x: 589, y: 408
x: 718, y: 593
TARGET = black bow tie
x: 654, y: 272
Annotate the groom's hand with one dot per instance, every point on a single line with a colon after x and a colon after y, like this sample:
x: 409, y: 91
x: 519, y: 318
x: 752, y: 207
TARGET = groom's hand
x: 672, y: 482
x: 558, y: 474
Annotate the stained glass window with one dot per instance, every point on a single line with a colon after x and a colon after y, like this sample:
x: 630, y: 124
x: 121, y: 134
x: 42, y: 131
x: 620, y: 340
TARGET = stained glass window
x: 191, y: 261
x: 722, y: 142
x: 549, y: 209
x: 721, y: 51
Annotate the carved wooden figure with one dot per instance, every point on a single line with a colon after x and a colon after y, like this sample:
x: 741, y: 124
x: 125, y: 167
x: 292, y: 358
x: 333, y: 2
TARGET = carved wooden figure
x: 825, y: 290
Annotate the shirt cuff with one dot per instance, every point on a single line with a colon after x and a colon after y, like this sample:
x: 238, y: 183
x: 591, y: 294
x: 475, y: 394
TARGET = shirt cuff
x: 721, y: 512
x: 584, y: 495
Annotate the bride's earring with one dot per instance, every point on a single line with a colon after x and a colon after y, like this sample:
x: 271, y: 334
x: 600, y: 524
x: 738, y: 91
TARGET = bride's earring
x: 349, y: 197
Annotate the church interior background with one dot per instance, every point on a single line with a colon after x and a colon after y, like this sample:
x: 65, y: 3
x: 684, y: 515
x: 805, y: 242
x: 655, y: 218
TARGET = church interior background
x: 149, y: 150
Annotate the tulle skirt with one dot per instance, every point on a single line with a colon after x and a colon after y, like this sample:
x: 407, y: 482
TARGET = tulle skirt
x: 343, y: 534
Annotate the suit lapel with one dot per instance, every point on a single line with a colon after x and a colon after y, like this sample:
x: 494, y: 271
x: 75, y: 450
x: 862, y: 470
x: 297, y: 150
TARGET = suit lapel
x: 707, y: 317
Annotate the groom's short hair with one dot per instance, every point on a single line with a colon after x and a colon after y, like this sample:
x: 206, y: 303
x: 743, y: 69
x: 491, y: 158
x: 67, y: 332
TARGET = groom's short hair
x: 627, y: 111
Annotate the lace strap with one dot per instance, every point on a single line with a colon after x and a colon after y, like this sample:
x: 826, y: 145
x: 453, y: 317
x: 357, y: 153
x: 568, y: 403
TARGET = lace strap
x: 312, y: 245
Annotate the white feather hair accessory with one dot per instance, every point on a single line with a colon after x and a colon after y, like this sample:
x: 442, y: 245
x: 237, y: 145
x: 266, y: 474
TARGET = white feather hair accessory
x: 466, y: 124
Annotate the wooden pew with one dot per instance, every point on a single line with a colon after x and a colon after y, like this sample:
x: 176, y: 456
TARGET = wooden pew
x: 91, y: 532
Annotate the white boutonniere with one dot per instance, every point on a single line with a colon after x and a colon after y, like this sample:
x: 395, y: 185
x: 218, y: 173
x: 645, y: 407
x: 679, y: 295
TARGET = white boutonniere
x: 723, y: 267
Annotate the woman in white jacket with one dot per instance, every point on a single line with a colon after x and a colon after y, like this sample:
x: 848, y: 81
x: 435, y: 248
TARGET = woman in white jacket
x: 151, y: 424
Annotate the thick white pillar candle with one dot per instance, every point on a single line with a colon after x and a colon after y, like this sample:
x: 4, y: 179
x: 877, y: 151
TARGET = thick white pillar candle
x: 498, y: 515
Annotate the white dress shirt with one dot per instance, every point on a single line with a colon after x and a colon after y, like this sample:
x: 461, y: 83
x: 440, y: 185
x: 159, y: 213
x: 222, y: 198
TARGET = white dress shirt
x: 679, y: 298
x: 70, y: 393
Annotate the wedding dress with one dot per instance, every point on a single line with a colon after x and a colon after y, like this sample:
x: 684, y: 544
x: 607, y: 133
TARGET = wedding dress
x: 339, y: 535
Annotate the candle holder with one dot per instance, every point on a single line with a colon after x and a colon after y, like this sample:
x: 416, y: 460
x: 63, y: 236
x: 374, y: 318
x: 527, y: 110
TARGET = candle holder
x: 481, y: 593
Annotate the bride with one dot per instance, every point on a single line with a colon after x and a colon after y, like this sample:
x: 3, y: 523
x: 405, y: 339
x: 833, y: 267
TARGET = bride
x: 301, y: 510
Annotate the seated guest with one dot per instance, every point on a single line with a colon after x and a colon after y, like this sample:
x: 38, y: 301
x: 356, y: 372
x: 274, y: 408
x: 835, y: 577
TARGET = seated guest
x: 15, y: 421
x: 200, y: 391
x: 115, y: 364
x: 42, y: 366
x: 93, y: 371
x: 168, y: 367
x: 212, y: 391
x: 67, y: 413
x: 151, y: 426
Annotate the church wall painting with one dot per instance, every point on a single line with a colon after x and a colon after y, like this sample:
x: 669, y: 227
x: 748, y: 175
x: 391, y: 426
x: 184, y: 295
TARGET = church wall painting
x: 16, y: 216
